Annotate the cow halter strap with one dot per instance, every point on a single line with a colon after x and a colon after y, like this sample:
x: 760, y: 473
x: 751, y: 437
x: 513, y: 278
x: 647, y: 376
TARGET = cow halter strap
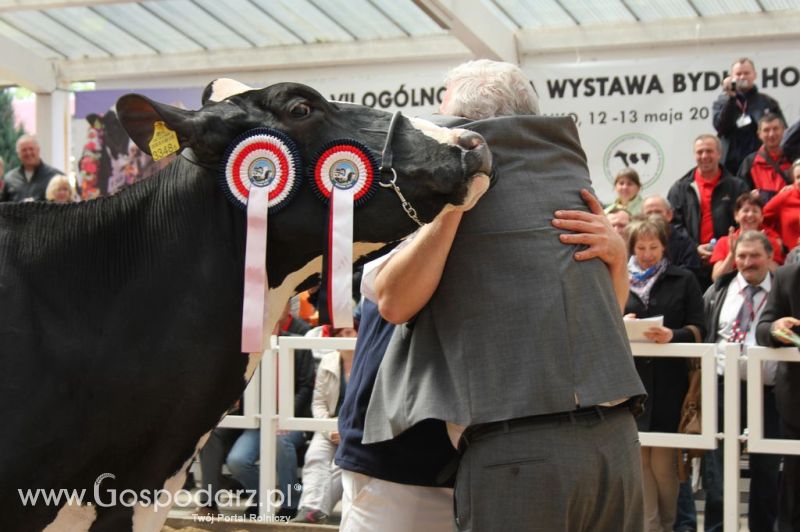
x: 386, y: 167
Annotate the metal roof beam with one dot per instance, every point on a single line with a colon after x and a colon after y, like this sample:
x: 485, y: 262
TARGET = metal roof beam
x: 474, y: 24
x: 23, y: 67
x: 33, y: 5
x: 218, y: 63
x: 720, y: 29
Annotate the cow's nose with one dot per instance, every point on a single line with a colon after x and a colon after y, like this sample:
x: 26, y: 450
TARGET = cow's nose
x: 476, y: 152
x: 469, y: 140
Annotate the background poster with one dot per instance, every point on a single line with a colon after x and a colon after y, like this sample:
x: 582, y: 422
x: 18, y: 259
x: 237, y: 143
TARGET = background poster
x: 646, y: 114
x: 106, y: 160
x: 643, y: 113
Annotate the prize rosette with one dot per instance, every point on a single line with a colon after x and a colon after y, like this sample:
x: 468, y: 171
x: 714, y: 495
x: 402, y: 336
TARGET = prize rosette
x: 345, y: 165
x: 264, y: 158
x: 260, y: 176
x: 344, y: 178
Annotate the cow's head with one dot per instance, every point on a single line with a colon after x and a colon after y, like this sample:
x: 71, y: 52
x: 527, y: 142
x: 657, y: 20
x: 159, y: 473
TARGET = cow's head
x: 435, y: 166
x: 115, y: 139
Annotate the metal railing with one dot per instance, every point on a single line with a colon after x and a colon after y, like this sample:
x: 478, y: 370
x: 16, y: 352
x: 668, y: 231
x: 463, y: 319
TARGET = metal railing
x: 756, y: 442
x: 732, y: 434
x: 273, y: 385
x: 707, y: 354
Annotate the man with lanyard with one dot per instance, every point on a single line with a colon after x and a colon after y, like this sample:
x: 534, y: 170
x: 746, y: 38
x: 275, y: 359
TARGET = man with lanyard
x: 737, y: 111
x: 733, y: 305
x: 767, y: 170
x: 703, y: 200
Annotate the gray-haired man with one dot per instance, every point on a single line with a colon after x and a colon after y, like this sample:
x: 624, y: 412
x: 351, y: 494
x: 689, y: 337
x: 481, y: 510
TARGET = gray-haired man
x: 516, y: 345
x: 28, y: 181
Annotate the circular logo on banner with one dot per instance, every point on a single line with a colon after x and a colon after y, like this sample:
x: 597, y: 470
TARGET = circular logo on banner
x: 638, y: 151
x: 345, y: 164
x: 261, y: 157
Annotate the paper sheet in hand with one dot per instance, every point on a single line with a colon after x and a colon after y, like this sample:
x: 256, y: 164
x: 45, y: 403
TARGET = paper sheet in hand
x: 636, y: 327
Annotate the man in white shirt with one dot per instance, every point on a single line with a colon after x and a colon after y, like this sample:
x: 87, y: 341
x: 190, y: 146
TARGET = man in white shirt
x: 733, y: 305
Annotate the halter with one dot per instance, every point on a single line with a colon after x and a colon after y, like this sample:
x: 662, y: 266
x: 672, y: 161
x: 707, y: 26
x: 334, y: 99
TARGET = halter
x: 386, y: 167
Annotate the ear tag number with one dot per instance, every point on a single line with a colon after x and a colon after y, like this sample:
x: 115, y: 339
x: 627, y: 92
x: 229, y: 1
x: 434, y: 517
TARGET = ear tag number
x: 164, y: 141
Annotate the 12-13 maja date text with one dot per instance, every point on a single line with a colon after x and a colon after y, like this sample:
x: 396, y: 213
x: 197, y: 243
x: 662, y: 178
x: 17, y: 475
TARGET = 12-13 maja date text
x: 632, y: 116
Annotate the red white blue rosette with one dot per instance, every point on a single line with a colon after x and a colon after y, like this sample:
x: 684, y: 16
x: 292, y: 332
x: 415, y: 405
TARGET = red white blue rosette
x: 260, y: 175
x: 344, y: 177
x: 262, y: 157
x: 345, y: 165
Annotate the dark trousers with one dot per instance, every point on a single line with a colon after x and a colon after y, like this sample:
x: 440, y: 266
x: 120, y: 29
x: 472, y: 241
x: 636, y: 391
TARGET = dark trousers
x: 789, y: 496
x: 686, y: 516
x: 764, y: 472
x: 571, y: 473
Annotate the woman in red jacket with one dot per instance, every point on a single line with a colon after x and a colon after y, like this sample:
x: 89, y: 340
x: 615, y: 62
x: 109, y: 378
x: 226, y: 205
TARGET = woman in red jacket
x: 749, y: 214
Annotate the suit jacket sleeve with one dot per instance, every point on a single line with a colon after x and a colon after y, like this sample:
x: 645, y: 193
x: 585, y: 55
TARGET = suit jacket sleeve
x: 777, y: 306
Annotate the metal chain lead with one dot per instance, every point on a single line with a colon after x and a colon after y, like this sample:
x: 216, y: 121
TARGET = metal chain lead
x: 410, y: 211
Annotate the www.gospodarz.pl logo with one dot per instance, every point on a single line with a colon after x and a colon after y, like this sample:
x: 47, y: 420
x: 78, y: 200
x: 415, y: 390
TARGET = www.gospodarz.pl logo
x: 106, y: 497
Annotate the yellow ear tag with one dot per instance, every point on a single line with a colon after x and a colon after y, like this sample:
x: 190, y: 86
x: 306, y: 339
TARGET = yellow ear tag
x: 164, y: 141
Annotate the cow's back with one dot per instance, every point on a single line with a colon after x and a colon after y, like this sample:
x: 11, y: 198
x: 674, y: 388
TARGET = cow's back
x: 116, y: 337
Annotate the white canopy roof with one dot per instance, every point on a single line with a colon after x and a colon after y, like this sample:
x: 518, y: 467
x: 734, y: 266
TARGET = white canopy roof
x: 48, y: 44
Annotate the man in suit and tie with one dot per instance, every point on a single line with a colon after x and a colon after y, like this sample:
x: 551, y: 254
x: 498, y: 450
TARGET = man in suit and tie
x: 781, y: 316
x: 516, y: 345
x: 733, y: 305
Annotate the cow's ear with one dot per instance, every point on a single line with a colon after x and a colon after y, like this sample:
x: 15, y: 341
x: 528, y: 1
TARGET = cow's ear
x: 138, y: 115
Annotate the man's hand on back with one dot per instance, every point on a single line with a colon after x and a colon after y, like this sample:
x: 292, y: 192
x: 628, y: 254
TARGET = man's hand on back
x: 593, y: 229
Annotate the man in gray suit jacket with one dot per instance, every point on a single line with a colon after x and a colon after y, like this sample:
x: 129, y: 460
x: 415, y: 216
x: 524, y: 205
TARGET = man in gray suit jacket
x: 516, y: 345
x: 782, y: 315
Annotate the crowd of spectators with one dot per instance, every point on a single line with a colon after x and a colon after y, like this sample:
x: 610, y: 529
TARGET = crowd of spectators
x: 724, y: 229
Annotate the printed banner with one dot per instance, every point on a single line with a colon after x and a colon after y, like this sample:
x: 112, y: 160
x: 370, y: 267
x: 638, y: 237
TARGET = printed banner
x: 639, y: 113
x: 646, y: 114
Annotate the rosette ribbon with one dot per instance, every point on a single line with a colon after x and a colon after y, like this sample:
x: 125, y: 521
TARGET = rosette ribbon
x: 260, y: 176
x: 344, y: 177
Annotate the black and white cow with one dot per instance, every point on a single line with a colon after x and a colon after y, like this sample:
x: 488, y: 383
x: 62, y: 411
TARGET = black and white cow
x: 134, y: 392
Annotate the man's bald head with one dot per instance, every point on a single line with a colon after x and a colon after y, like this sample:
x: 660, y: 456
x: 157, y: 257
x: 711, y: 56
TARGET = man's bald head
x: 656, y: 205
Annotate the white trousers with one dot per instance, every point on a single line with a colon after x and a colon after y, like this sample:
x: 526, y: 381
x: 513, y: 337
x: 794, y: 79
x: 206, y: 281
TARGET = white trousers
x: 322, y: 481
x: 371, y: 504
